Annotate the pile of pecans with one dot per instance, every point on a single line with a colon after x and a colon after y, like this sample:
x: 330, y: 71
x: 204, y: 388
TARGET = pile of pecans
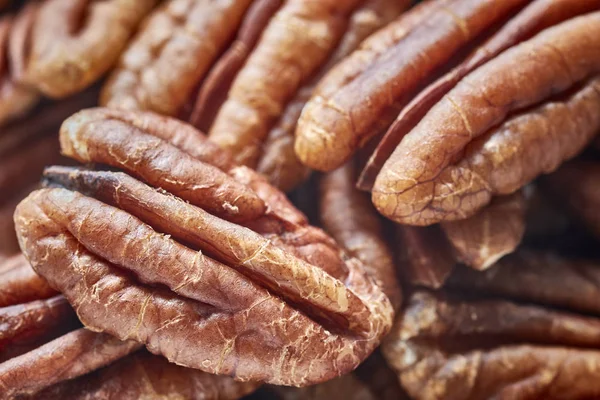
x: 163, y: 235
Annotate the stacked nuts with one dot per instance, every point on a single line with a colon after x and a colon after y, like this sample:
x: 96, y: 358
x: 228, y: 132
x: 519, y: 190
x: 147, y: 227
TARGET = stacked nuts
x: 445, y: 250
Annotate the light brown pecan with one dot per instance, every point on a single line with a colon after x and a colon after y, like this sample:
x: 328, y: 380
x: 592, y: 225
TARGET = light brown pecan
x: 241, y: 70
x: 350, y: 218
x: 575, y: 187
x: 74, y: 42
x: 388, y: 69
x: 216, y: 270
x: 426, y: 184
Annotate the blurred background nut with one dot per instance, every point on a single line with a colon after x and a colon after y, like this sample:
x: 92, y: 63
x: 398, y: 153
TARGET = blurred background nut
x: 215, y: 271
x: 526, y: 328
x: 241, y: 71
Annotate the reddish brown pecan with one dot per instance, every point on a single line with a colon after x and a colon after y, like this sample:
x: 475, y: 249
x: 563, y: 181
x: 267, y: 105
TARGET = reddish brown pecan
x: 241, y: 70
x: 526, y: 328
x: 350, y: 218
x: 575, y: 186
x: 221, y: 274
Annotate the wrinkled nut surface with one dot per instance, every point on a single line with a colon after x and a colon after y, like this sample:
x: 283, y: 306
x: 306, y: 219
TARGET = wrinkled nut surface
x: 575, y: 187
x: 352, y: 221
x: 460, y: 345
x: 74, y: 42
x: 265, y: 297
x: 43, y: 354
x: 387, y: 69
x: 422, y: 185
x: 242, y: 70
x: 143, y: 375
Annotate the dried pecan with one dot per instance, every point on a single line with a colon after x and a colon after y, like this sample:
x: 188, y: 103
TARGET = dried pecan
x: 367, y: 88
x: 454, y: 348
x: 426, y: 184
x: 20, y: 284
x: 536, y: 16
x: 143, y: 375
x: 490, y: 234
x: 241, y: 87
x: 72, y: 43
x: 350, y: 218
x: 575, y: 187
x: 238, y: 296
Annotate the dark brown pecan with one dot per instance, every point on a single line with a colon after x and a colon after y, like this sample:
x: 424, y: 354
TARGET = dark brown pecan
x: 220, y: 273
x: 350, y: 218
x: 242, y: 70
x: 20, y: 284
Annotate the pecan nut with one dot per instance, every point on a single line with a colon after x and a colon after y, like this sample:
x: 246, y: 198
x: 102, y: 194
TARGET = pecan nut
x: 242, y: 87
x: 215, y: 271
x: 467, y: 345
x: 455, y: 147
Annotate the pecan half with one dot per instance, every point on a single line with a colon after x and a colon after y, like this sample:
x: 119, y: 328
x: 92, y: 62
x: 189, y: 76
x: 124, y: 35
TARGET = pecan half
x: 143, y: 375
x: 220, y: 273
x: 388, y: 69
x: 426, y: 184
x: 350, y: 218
x: 575, y: 187
x: 525, y: 328
x: 241, y: 70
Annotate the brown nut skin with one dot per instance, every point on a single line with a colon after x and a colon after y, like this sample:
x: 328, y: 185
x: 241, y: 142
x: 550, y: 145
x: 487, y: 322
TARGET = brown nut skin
x: 462, y: 166
x: 448, y: 348
x: 350, y: 218
x: 536, y: 16
x: 242, y: 71
x: 387, y: 69
x: 495, y: 231
x: 20, y: 284
x: 143, y: 375
x: 278, y: 159
x: 574, y: 186
x: 74, y: 42
x: 262, y: 310
x: 15, y: 99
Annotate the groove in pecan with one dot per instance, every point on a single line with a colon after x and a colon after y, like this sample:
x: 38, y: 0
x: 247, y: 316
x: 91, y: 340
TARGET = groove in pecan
x: 387, y: 69
x: 74, y: 42
x: 424, y: 256
x: 422, y: 185
x: 20, y: 284
x: 66, y: 357
x: 24, y: 326
x: 446, y: 348
x: 244, y: 306
x: 535, y: 17
x: 278, y: 161
x: 490, y: 234
x: 350, y: 218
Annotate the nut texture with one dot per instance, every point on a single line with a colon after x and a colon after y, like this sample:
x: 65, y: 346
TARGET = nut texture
x: 258, y: 294
x: 409, y: 192
x: 525, y: 328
